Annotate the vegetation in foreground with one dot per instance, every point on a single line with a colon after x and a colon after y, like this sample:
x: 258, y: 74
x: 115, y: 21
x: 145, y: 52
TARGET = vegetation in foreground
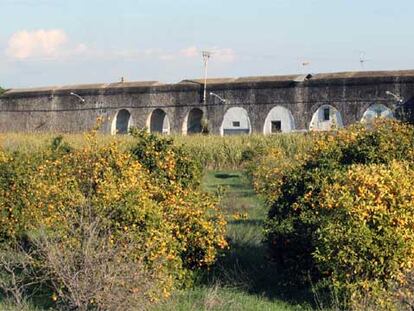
x: 339, y: 231
x: 342, y: 215
x: 242, y: 278
x: 102, y: 228
x: 212, y: 152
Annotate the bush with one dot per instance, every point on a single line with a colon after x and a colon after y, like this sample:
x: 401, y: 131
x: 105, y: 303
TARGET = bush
x: 365, y: 235
x: 96, y: 271
x: 168, y: 163
x: 165, y: 223
x: 18, y: 275
x: 16, y: 174
x: 304, y: 233
x: 197, y: 225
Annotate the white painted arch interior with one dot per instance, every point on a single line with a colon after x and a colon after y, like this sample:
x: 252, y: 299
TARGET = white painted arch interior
x: 326, y: 118
x: 236, y: 121
x: 377, y: 111
x: 279, y: 119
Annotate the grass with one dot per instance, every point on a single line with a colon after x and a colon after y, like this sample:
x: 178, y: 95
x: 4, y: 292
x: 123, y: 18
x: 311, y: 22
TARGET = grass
x: 214, y: 152
x: 242, y: 279
x: 229, y: 152
x: 10, y: 306
x: 221, y: 298
x: 33, y: 142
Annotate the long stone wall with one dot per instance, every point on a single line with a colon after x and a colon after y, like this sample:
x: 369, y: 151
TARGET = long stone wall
x: 342, y: 99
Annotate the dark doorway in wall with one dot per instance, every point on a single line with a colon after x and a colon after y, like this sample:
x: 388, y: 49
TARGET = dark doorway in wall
x: 194, y: 121
x: 276, y: 126
x: 326, y: 114
x: 122, y: 121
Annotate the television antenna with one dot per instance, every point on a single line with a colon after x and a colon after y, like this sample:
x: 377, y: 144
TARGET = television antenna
x: 362, y: 59
x: 303, y: 63
x: 206, y: 56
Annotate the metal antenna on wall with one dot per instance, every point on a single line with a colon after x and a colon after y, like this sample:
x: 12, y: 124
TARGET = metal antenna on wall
x: 304, y: 64
x: 362, y: 59
x: 206, y: 57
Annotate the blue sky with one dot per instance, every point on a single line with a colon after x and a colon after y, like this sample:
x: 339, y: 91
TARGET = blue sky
x: 54, y: 42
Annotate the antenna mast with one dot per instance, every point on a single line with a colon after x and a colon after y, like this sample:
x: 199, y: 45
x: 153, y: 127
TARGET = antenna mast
x: 206, y: 57
x: 362, y: 59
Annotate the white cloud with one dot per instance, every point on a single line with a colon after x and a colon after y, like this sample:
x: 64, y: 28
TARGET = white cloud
x: 38, y: 43
x: 190, y: 52
x: 80, y: 49
x: 151, y: 52
x: 54, y: 44
x: 226, y: 55
x: 220, y: 54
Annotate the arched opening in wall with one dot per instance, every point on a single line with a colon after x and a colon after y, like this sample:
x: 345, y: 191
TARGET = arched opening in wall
x: 405, y: 111
x: 235, y: 122
x: 159, y: 122
x: 193, y: 122
x: 121, y: 123
x: 376, y: 111
x: 326, y: 118
x: 279, y: 119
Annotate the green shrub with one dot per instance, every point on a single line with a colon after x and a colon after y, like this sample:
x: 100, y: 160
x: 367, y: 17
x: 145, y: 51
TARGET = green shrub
x: 298, y: 225
x: 365, y: 235
x: 16, y: 174
x: 165, y: 161
x: 150, y: 200
x: 197, y: 224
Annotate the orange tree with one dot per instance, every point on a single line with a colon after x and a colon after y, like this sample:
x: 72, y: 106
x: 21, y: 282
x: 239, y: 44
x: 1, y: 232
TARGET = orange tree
x: 175, y: 227
x: 169, y: 164
x: 298, y: 191
x: 194, y: 214
x: 365, y: 236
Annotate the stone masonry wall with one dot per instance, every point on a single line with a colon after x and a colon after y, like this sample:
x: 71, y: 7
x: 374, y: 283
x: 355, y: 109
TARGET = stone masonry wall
x: 55, y: 110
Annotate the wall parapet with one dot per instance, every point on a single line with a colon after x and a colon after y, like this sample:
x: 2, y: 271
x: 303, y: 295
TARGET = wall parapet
x: 349, y: 94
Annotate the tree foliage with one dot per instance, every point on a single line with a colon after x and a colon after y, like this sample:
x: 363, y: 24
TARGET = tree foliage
x: 155, y: 215
x: 344, y: 211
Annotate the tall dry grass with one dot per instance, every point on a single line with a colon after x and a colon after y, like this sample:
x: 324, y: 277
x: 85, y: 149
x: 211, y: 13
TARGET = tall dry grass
x: 231, y: 152
x: 214, y: 152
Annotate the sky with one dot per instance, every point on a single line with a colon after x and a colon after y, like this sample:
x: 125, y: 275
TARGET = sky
x: 57, y: 42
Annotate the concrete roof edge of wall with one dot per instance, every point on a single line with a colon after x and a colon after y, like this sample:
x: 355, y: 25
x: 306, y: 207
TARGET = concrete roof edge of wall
x: 194, y: 84
x: 98, y: 89
x: 363, y: 74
